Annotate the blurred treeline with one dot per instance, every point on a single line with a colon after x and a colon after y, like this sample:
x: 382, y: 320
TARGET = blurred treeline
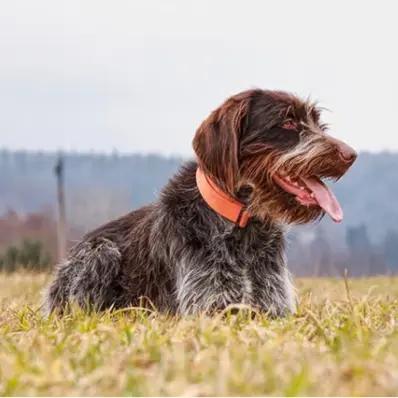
x: 28, y: 255
x: 102, y: 187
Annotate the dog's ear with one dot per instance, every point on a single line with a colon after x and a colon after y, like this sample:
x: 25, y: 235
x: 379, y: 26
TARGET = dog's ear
x: 216, y: 142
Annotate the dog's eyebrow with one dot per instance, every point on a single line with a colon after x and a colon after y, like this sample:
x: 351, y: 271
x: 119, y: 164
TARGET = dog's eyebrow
x: 315, y: 114
x: 312, y: 110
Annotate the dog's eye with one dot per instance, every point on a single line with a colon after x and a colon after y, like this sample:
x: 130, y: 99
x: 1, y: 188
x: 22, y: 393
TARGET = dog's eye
x: 289, y: 125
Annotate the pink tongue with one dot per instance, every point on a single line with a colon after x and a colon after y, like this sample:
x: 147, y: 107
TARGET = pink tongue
x: 325, y: 198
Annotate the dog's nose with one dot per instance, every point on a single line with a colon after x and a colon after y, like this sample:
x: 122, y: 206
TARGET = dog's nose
x: 346, y: 153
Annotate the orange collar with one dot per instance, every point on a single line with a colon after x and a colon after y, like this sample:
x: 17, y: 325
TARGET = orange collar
x: 220, y: 202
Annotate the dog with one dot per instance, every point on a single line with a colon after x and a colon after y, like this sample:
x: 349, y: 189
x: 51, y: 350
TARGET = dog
x: 215, y: 236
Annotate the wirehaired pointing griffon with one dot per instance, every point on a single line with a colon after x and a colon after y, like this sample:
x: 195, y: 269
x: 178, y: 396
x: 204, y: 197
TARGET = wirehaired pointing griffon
x: 215, y: 236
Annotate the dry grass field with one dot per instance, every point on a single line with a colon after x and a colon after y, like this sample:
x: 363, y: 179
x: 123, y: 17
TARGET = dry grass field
x: 342, y: 341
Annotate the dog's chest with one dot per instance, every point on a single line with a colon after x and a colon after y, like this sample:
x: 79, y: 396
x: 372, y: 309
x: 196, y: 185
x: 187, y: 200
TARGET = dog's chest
x: 227, y: 266
x: 239, y: 262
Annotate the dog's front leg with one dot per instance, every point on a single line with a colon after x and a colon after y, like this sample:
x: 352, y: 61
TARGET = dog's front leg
x: 272, y: 290
x: 204, y: 285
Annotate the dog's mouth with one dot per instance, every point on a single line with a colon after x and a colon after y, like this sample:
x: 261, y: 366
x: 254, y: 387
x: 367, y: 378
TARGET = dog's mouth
x: 312, y: 192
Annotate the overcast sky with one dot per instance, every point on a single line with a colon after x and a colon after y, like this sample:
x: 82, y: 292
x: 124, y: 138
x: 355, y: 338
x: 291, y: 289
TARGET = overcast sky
x: 139, y: 76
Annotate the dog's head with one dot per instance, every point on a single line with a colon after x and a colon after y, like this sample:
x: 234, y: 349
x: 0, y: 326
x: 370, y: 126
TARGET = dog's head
x: 270, y: 150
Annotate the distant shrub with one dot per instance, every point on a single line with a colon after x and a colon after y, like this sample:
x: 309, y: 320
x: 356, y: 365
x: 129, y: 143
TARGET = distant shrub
x: 29, y: 255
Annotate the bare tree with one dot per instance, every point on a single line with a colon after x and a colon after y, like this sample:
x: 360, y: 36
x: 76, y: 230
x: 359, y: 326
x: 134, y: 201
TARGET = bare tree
x: 61, y: 222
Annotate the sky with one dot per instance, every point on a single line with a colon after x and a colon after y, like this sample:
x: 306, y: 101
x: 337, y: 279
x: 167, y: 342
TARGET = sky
x: 140, y: 76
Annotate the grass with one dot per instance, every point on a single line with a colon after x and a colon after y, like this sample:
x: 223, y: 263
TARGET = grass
x: 342, y: 341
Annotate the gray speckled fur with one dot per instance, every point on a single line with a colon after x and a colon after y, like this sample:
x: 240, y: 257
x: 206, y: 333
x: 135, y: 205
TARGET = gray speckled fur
x: 180, y: 256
